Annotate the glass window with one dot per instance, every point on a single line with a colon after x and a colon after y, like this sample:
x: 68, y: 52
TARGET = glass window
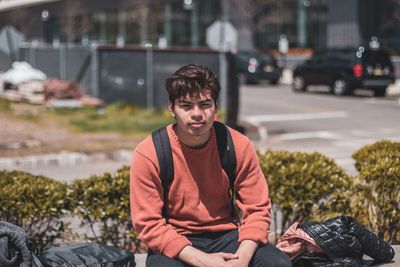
x: 302, y: 21
x: 132, y: 27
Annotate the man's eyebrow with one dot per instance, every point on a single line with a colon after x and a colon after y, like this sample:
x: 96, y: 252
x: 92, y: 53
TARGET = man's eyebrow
x: 183, y: 101
x: 205, y: 100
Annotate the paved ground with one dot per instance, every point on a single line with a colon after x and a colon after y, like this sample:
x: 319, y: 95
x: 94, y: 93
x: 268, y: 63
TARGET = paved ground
x: 141, y: 259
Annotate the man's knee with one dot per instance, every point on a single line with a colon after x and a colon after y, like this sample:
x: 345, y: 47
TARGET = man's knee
x: 156, y: 260
x: 276, y: 261
x: 270, y: 256
x: 282, y: 261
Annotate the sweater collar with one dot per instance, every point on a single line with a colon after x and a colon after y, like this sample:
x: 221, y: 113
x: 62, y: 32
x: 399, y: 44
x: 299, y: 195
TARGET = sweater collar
x: 175, y: 139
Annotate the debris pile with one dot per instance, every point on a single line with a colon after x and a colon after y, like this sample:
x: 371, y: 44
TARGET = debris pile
x: 61, y: 89
x: 25, y: 83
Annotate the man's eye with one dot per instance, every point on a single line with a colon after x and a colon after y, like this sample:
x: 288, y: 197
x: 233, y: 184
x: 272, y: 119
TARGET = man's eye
x: 205, y: 105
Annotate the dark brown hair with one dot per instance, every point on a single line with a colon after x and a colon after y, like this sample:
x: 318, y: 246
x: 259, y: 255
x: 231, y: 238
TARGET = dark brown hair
x: 191, y: 80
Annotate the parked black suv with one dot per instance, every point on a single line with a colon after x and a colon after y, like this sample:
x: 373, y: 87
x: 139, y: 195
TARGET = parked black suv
x: 254, y: 66
x: 345, y: 70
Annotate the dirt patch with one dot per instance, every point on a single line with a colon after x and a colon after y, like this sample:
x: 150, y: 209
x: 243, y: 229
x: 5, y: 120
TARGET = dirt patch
x: 21, y: 137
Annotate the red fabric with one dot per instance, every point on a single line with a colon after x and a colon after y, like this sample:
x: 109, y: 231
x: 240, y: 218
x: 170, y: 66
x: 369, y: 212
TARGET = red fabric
x: 198, y: 197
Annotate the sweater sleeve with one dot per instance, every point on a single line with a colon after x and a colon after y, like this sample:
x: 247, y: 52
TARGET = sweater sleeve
x: 146, y: 199
x: 252, y: 198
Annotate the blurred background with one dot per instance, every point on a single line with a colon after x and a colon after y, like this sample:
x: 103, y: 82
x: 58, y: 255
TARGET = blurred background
x: 82, y: 82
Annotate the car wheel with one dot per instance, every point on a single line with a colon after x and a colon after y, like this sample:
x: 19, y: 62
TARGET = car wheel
x: 299, y: 84
x: 380, y: 91
x: 340, y: 87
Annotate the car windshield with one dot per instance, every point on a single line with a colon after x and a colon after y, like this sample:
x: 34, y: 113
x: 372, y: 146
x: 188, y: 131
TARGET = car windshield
x: 337, y: 55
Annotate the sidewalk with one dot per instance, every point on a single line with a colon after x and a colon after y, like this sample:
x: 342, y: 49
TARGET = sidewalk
x: 141, y: 259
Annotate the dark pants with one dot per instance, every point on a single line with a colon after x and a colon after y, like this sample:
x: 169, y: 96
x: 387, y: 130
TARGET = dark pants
x: 265, y: 256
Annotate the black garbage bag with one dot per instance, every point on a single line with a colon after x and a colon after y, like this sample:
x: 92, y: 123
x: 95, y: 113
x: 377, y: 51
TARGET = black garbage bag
x: 86, y: 254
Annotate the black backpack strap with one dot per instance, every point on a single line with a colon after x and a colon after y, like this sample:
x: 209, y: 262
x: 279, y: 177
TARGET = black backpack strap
x: 226, y: 151
x: 227, y: 155
x: 166, y: 163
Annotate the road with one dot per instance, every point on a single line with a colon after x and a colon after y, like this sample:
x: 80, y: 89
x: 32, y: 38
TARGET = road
x: 318, y: 121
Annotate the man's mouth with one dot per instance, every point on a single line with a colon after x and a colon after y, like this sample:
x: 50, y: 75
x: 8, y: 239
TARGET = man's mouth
x: 196, y: 124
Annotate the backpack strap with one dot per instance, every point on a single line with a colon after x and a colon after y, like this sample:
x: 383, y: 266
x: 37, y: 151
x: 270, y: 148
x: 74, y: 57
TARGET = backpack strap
x: 227, y: 155
x: 226, y: 152
x: 166, y: 163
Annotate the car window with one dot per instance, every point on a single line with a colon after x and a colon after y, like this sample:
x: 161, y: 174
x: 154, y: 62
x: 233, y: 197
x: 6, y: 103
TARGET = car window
x: 376, y: 57
x: 242, y: 57
x: 340, y: 59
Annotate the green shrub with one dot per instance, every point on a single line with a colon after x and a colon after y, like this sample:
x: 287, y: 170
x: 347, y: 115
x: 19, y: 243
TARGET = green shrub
x: 377, y: 203
x: 35, y: 203
x: 102, y: 203
x: 307, y: 185
x: 370, y: 154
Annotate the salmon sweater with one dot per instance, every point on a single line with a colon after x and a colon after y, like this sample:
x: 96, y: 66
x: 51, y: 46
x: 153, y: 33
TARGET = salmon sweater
x: 198, y: 197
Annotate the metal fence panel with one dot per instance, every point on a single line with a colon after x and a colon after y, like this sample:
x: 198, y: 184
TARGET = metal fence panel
x: 61, y: 62
x: 78, y: 66
x: 44, y: 59
x: 122, y: 76
x: 135, y: 76
x: 128, y: 75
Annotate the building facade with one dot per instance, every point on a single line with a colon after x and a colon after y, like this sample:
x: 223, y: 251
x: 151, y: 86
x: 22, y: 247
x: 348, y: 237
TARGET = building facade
x: 311, y: 24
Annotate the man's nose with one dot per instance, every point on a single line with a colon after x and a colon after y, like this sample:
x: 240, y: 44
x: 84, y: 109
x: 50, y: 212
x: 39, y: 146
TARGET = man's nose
x: 196, y: 112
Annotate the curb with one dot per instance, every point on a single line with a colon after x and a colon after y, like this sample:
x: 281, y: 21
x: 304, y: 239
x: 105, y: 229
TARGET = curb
x: 140, y: 259
x: 394, y: 89
x: 62, y: 159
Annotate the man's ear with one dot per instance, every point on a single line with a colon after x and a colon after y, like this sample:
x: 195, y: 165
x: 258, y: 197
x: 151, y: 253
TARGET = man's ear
x: 171, y: 109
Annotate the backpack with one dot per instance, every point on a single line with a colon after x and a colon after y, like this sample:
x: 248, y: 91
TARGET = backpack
x: 15, y: 250
x: 85, y: 255
x: 226, y: 152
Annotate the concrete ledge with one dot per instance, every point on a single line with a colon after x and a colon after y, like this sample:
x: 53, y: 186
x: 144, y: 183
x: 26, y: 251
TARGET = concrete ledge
x: 141, y: 259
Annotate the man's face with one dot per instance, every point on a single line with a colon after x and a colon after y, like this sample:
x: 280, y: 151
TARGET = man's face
x: 194, y: 117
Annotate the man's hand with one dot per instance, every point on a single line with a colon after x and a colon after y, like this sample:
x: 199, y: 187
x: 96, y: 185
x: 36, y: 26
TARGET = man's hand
x: 216, y: 259
x: 237, y: 263
x: 198, y: 258
x: 245, y: 252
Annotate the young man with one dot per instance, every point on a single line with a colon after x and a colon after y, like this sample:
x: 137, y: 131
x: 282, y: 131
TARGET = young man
x: 200, y: 230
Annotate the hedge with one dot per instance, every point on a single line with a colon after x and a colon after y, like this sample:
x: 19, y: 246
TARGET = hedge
x: 306, y: 185
x: 369, y: 155
x: 102, y: 203
x: 377, y: 201
x: 35, y: 203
